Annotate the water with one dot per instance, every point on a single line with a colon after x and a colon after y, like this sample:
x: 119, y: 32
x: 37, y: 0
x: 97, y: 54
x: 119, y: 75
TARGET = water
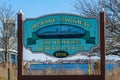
x: 83, y: 67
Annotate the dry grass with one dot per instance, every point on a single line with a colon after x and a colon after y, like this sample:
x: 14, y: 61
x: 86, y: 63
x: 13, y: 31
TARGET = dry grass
x: 4, y: 73
x: 55, y: 72
x: 3, y: 78
x: 66, y: 72
x: 113, y: 75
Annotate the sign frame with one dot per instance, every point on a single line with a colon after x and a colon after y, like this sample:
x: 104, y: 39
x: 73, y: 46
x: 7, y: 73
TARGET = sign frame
x: 20, y: 20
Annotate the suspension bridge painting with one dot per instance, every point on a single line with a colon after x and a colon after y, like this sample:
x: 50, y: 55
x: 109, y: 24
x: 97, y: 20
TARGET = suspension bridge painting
x: 59, y: 36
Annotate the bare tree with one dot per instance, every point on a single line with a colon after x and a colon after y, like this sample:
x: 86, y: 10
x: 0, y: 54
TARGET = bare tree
x: 7, y: 30
x: 92, y: 8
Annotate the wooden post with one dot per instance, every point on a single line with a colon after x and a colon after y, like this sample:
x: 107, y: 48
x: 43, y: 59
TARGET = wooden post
x: 20, y: 44
x: 102, y: 43
x: 8, y: 73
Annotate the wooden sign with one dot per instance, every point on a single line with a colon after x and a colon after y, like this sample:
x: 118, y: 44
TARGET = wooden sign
x: 59, y: 26
x: 60, y: 35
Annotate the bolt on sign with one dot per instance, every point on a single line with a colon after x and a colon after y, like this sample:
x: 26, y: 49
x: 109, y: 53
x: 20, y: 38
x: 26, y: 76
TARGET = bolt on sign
x: 60, y: 36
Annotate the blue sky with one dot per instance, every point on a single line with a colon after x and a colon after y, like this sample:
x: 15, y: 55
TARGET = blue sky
x: 35, y: 8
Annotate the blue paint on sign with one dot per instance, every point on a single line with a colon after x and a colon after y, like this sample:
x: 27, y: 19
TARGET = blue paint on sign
x: 61, y: 35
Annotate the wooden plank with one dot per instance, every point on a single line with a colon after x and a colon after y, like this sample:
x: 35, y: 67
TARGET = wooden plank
x: 63, y: 77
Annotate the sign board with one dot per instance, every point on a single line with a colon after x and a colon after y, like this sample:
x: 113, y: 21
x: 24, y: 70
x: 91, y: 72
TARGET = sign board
x: 61, y: 35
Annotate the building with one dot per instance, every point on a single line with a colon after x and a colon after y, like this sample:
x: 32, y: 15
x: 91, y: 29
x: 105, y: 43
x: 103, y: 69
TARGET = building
x: 12, y: 56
